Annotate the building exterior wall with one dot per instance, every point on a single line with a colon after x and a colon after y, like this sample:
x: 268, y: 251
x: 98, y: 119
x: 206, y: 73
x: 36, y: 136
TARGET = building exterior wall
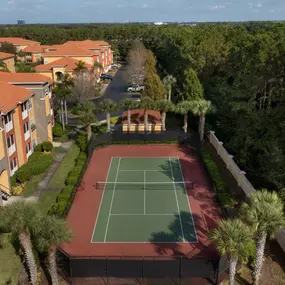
x: 47, y: 73
x: 10, y: 63
x: 19, y: 135
x: 49, y: 59
x: 4, y: 168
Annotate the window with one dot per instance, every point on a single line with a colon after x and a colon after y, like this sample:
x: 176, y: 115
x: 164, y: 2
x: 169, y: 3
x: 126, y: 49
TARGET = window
x: 28, y: 60
x: 8, y: 118
x: 13, y: 163
x: 26, y: 127
x: 34, y: 143
x: 24, y: 111
x: 32, y: 124
x: 45, y: 61
x: 24, y: 107
x: 28, y: 148
x: 10, y: 141
x: 30, y: 105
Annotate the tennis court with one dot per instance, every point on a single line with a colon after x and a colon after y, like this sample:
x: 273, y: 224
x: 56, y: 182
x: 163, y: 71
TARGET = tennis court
x: 144, y: 200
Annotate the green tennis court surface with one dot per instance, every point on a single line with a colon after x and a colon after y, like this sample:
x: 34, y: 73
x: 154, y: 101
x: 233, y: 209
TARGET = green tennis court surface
x: 144, y: 200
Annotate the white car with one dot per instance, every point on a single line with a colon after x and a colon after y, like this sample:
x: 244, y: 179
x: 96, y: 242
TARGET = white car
x: 135, y: 88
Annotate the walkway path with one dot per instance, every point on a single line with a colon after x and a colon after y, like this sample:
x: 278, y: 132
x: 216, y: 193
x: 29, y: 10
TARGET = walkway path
x: 43, y: 184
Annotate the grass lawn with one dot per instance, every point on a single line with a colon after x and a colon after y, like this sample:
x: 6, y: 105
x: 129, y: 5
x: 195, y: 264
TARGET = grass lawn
x: 47, y: 200
x: 63, y: 138
x: 10, y: 263
x: 32, y: 184
x: 68, y: 162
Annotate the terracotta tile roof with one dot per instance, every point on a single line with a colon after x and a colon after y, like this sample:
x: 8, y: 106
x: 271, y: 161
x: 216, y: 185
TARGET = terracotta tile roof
x: 11, y: 96
x: 4, y: 55
x: 137, y: 117
x: 33, y: 48
x: 67, y: 62
x: 70, y: 50
x: 88, y: 44
x: 27, y: 77
x: 18, y: 41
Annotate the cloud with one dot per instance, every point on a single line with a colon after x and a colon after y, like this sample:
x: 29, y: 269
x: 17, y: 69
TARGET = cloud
x: 259, y: 5
x: 145, y: 6
x: 216, y: 7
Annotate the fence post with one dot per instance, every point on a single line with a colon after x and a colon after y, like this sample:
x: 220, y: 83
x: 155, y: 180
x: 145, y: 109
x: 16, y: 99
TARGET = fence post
x: 220, y: 145
x: 241, y: 176
x: 211, y: 133
x: 230, y: 157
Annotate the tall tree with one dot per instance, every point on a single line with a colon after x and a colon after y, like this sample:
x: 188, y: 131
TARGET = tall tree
x: 108, y: 106
x: 201, y: 108
x: 88, y: 117
x: 136, y: 60
x: 84, y: 87
x: 9, y: 48
x: 231, y: 238
x: 192, y: 87
x: 183, y: 108
x: 128, y: 105
x: 264, y: 212
x: 146, y: 104
x: 97, y: 66
x: 50, y: 233
x: 21, y: 219
x: 153, y: 86
x: 168, y: 82
x: 63, y: 89
x: 164, y: 106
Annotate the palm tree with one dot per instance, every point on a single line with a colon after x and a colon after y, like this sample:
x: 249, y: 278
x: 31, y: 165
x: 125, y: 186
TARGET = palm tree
x: 21, y: 219
x: 168, y: 82
x: 88, y: 117
x: 183, y: 108
x: 231, y: 238
x: 50, y: 233
x: 108, y: 106
x: 3, y: 66
x: 200, y: 108
x: 80, y: 66
x: 128, y: 105
x: 264, y: 211
x: 97, y: 65
x: 146, y: 104
x: 164, y: 106
x: 62, y: 90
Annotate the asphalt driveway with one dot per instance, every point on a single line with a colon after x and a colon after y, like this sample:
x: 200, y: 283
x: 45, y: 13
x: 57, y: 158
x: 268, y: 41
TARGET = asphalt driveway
x: 116, y: 91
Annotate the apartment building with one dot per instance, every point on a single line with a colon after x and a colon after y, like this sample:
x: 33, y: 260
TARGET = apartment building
x: 19, y: 43
x: 56, y: 69
x: 41, y: 87
x: 34, y: 53
x: 9, y: 60
x: 16, y: 133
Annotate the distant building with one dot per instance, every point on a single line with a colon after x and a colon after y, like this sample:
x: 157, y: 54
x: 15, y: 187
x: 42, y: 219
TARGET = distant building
x: 21, y: 22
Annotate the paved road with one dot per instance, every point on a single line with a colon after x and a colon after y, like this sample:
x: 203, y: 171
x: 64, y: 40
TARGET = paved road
x: 115, y: 91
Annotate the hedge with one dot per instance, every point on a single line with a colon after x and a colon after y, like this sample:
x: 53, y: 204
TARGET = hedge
x: 57, y: 130
x: 64, y: 197
x: 222, y: 192
x: 37, y: 164
x: 43, y: 147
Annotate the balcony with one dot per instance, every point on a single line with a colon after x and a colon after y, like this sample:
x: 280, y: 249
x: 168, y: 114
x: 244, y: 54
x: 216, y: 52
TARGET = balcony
x: 51, y: 111
x: 24, y: 114
x: 33, y: 126
x: 29, y: 154
x: 13, y: 170
x: 26, y: 135
x: 11, y: 149
x: 8, y: 126
x: 49, y: 95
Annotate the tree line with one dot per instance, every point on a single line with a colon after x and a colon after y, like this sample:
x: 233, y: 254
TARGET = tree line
x: 240, y: 66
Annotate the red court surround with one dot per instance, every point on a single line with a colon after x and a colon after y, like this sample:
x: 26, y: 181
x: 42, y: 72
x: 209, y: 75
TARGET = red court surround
x: 83, y: 213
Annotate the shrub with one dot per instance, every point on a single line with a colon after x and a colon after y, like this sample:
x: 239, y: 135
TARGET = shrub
x: 222, y: 192
x: 74, y: 175
x: 57, y: 130
x: 114, y: 120
x: 251, y: 250
x: 81, y: 141
x: 18, y: 189
x: 47, y: 146
x: 23, y: 174
x: 38, y: 148
x: 13, y: 181
x: 81, y: 157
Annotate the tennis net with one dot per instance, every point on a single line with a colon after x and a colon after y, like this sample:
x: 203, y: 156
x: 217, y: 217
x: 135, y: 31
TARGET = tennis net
x: 132, y: 186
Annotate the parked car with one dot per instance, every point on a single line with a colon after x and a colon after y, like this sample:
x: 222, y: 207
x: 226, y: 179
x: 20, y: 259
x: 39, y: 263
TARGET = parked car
x: 136, y: 97
x: 106, y: 76
x: 135, y: 88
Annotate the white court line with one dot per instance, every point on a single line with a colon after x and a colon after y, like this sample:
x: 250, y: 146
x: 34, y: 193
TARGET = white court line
x: 118, y: 166
x: 182, y: 231
x: 134, y: 170
x: 101, y: 200
x: 142, y: 242
x: 188, y: 200
x: 142, y: 214
x: 144, y: 179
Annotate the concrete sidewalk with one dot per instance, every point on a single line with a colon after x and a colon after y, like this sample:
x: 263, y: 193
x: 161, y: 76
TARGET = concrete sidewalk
x: 43, y: 184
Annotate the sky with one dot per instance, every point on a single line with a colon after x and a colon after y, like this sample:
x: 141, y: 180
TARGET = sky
x: 79, y: 11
